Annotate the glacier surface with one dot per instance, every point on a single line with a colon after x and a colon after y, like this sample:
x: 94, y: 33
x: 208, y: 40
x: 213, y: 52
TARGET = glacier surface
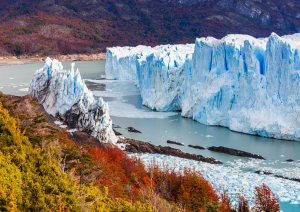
x: 64, y: 94
x: 246, y: 84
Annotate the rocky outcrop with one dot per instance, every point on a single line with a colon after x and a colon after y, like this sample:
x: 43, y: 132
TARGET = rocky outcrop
x: 278, y: 176
x: 196, y: 147
x: 136, y: 146
x: 235, y: 152
x: 116, y: 132
x: 64, y: 95
x: 248, y: 9
x: 175, y: 142
x: 131, y: 129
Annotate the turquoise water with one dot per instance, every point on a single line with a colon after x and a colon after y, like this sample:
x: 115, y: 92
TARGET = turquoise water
x: 15, y: 79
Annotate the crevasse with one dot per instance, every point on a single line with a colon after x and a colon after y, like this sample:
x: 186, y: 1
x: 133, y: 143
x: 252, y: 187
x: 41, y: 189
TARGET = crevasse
x: 64, y: 94
x: 248, y: 85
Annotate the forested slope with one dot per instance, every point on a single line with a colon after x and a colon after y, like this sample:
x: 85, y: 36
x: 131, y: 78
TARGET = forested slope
x: 44, y: 27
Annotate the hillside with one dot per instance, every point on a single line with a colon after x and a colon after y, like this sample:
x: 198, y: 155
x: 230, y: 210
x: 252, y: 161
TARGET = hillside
x: 47, y: 27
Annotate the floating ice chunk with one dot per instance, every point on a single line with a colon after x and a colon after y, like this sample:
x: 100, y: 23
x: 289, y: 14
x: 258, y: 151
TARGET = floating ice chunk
x: 24, y: 89
x: 295, y: 202
x: 209, y: 136
x: 282, y: 156
x: 58, y: 123
x: 285, y: 199
x: 72, y: 130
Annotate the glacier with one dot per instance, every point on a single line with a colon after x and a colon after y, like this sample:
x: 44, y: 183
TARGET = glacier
x: 246, y: 84
x: 64, y: 95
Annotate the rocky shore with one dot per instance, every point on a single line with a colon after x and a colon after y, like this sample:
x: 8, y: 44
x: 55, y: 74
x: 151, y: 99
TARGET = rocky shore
x: 235, y: 152
x: 136, y: 146
x: 13, y: 60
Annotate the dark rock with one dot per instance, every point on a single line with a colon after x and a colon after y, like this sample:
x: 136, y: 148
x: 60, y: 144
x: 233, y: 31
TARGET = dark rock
x: 248, y: 9
x: 115, y: 126
x: 263, y: 172
x: 116, y: 132
x: 175, y: 142
x: 286, y: 178
x: 196, y: 147
x: 281, y: 24
x: 131, y: 129
x: 225, y: 4
x: 290, y: 160
x: 279, y: 176
x: 235, y: 152
x: 136, y: 146
x: 265, y: 19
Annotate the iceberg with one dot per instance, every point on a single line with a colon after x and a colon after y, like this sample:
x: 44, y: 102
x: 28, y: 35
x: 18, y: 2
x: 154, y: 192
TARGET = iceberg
x: 246, y: 84
x: 64, y: 95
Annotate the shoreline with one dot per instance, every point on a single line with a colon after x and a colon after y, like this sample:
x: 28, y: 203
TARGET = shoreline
x: 13, y: 60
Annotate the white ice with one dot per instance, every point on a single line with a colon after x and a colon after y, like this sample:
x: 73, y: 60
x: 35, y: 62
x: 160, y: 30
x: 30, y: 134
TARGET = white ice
x: 64, y: 94
x: 232, y: 176
x: 58, y: 123
x: 24, y: 89
x: 248, y: 85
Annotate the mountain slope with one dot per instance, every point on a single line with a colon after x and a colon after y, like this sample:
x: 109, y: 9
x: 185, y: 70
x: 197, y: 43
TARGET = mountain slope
x: 71, y: 26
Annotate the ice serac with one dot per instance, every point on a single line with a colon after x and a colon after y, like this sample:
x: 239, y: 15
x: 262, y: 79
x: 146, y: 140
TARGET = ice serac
x: 248, y: 85
x: 65, y: 95
x: 121, y: 62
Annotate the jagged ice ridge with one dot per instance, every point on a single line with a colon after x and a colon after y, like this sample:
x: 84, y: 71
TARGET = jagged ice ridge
x: 64, y: 94
x: 248, y: 85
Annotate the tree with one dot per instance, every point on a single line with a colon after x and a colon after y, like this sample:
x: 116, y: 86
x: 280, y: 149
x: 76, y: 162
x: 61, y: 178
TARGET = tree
x: 264, y: 200
x: 225, y: 200
x: 196, y: 193
x: 242, y: 204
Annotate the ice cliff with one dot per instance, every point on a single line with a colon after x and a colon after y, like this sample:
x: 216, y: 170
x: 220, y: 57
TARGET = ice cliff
x: 248, y: 85
x: 65, y: 95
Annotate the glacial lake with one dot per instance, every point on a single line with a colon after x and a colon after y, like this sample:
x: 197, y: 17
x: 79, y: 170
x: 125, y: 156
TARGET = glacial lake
x: 126, y: 110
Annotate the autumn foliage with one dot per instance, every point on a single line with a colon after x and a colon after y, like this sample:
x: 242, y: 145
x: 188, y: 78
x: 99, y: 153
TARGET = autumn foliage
x: 265, y: 200
x: 30, y: 27
x: 49, y: 172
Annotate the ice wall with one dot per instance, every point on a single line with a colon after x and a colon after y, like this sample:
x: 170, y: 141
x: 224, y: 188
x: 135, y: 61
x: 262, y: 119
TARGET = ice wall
x: 121, y: 62
x: 65, y: 95
x: 248, y: 85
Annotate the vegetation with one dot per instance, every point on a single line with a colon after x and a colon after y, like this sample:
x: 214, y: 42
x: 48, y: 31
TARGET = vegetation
x: 48, y: 172
x: 30, y: 27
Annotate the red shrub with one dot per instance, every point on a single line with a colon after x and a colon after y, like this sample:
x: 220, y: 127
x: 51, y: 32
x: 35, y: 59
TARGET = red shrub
x: 264, y: 200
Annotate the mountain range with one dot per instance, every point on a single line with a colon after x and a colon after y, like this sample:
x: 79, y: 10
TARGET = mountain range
x: 48, y: 27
